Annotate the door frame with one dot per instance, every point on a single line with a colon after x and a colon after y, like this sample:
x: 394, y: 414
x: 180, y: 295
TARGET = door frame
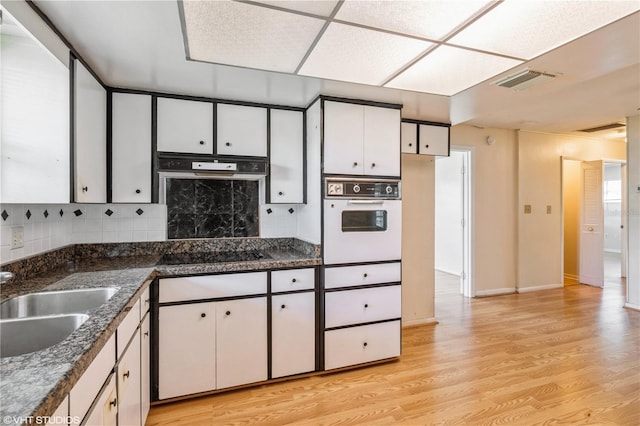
x: 467, y: 281
x: 624, y: 255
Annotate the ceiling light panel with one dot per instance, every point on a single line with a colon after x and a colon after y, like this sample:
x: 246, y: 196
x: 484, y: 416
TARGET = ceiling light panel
x: 319, y: 8
x: 528, y: 28
x: 360, y: 55
x: 432, y: 19
x: 449, y: 70
x: 239, y: 34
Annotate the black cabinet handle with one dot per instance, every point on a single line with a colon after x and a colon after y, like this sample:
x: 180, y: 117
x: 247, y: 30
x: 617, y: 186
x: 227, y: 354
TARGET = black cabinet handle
x: 280, y: 193
x: 85, y: 188
x: 138, y: 191
x: 227, y: 313
x: 426, y: 146
x: 373, y: 165
x: 127, y: 374
x: 365, y: 275
x: 227, y: 144
x: 355, y: 164
x: 366, y: 305
x: 283, y: 306
x: 364, y: 344
x: 293, y: 280
x: 201, y: 142
x: 202, y: 315
x: 114, y: 402
x: 410, y: 144
x: 146, y: 333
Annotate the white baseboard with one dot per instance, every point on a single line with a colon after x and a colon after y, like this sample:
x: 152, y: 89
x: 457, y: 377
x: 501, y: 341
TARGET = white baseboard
x: 632, y: 306
x: 494, y: 292
x: 539, y: 287
x: 423, y: 321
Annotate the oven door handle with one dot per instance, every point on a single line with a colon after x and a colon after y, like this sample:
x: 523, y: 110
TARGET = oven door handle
x: 365, y: 202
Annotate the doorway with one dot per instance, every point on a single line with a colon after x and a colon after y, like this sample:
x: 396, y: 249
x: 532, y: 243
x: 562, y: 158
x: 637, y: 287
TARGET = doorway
x: 453, y: 196
x: 613, y: 223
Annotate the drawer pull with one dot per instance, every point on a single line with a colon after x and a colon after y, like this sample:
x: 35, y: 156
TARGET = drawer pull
x: 293, y: 280
x: 126, y: 375
x: 202, y: 315
x: 201, y: 142
x: 355, y: 164
x: 365, y: 344
x: 227, y: 313
x: 366, y: 305
x: 146, y: 333
x: 365, y: 275
x: 113, y: 402
x: 283, y: 306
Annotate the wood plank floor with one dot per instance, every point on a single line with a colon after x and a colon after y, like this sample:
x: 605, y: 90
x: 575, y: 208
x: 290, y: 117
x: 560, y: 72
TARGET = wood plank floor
x: 558, y: 357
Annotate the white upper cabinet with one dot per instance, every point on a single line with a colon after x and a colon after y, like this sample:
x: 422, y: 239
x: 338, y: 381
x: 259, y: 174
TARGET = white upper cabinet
x: 286, y: 157
x: 409, y: 138
x: 90, y: 119
x: 361, y: 140
x: 185, y: 126
x: 241, y: 130
x: 131, y: 148
x: 434, y: 140
x: 381, y: 141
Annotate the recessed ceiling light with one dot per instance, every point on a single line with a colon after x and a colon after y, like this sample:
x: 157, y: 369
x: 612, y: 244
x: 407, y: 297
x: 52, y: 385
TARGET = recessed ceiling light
x: 449, y: 70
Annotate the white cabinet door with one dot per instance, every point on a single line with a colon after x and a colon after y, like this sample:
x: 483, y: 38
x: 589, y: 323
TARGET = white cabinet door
x: 131, y: 148
x: 105, y: 412
x: 434, y: 140
x: 409, y: 138
x: 185, y: 126
x: 241, y: 341
x: 90, y: 138
x: 187, y: 349
x: 293, y: 334
x: 145, y: 369
x: 286, y: 157
x: 129, y: 396
x: 343, y: 138
x: 241, y: 130
x: 381, y: 141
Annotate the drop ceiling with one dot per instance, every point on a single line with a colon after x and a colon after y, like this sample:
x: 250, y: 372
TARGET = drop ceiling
x: 438, y: 58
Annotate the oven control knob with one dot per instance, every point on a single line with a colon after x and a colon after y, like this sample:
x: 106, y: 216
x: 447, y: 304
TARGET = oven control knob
x: 388, y: 189
x: 356, y: 188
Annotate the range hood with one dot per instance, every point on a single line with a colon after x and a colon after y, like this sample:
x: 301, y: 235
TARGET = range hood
x: 195, y: 166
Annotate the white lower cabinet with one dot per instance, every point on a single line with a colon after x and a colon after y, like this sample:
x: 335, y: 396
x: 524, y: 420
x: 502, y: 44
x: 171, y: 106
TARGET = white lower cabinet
x: 105, y: 410
x: 293, y: 334
x: 360, y: 344
x: 61, y: 415
x: 145, y: 368
x: 362, y: 305
x: 211, y: 345
x: 129, y: 391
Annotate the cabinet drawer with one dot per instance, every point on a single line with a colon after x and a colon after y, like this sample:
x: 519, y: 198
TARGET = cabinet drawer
x: 348, y: 276
x: 357, y: 345
x: 212, y: 286
x: 292, y: 279
x: 362, y: 305
x: 127, y: 327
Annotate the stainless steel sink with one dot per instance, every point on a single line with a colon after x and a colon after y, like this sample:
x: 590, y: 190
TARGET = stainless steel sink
x: 55, y: 302
x: 24, y: 335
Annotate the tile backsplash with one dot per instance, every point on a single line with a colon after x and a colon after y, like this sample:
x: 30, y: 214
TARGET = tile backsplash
x: 212, y: 208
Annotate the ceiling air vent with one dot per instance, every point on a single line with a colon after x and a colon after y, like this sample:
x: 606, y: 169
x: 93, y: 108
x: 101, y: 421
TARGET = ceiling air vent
x: 603, y: 127
x: 523, y: 79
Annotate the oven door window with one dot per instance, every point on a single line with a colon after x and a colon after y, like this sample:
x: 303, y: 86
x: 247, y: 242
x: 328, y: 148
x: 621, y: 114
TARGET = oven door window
x: 364, y: 221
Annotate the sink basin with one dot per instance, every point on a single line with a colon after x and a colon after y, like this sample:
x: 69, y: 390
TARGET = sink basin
x: 55, y: 302
x: 24, y: 335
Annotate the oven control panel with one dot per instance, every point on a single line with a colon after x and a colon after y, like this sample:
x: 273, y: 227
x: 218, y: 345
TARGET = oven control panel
x: 362, y: 188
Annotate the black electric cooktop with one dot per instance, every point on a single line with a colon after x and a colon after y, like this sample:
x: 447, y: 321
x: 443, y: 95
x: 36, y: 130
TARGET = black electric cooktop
x: 211, y: 257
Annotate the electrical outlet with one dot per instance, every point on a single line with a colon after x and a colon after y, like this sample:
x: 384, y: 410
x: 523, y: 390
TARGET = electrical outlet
x: 17, y: 237
x: 527, y: 209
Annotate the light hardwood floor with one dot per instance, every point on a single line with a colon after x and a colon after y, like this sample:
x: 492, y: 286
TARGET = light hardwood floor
x: 558, y: 357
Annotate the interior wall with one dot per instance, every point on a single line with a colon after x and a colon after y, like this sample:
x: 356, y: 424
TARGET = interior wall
x: 494, y: 199
x: 571, y: 193
x: 633, y: 211
x: 448, y: 211
x: 539, y: 185
x: 418, y: 221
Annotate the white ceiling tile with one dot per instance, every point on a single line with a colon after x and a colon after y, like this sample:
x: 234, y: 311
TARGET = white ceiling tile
x: 359, y: 55
x: 432, y: 19
x: 239, y: 34
x: 314, y: 7
x: 528, y: 28
x: 449, y: 70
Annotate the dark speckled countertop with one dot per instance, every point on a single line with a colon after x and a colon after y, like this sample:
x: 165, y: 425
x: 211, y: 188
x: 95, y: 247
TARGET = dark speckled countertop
x: 35, y: 384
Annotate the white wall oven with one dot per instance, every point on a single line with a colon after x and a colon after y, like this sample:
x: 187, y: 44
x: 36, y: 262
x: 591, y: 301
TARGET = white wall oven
x: 362, y: 220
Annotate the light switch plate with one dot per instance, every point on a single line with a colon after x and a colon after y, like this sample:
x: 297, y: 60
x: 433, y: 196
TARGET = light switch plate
x: 17, y: 237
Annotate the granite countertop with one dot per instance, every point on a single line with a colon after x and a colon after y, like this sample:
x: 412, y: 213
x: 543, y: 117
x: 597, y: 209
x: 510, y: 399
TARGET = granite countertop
x: 35, y: 384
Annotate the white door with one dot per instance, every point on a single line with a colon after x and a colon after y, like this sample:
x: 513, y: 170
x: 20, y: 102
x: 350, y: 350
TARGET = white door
x: 131, y: 148
x: 591, y: 224
x: 381, y: 141
x: 187, y: 349
x: 343, y: 138
x: 241, y: 340
x: 241, y: 130
x: 293, y: 329
x: 286, y: 162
